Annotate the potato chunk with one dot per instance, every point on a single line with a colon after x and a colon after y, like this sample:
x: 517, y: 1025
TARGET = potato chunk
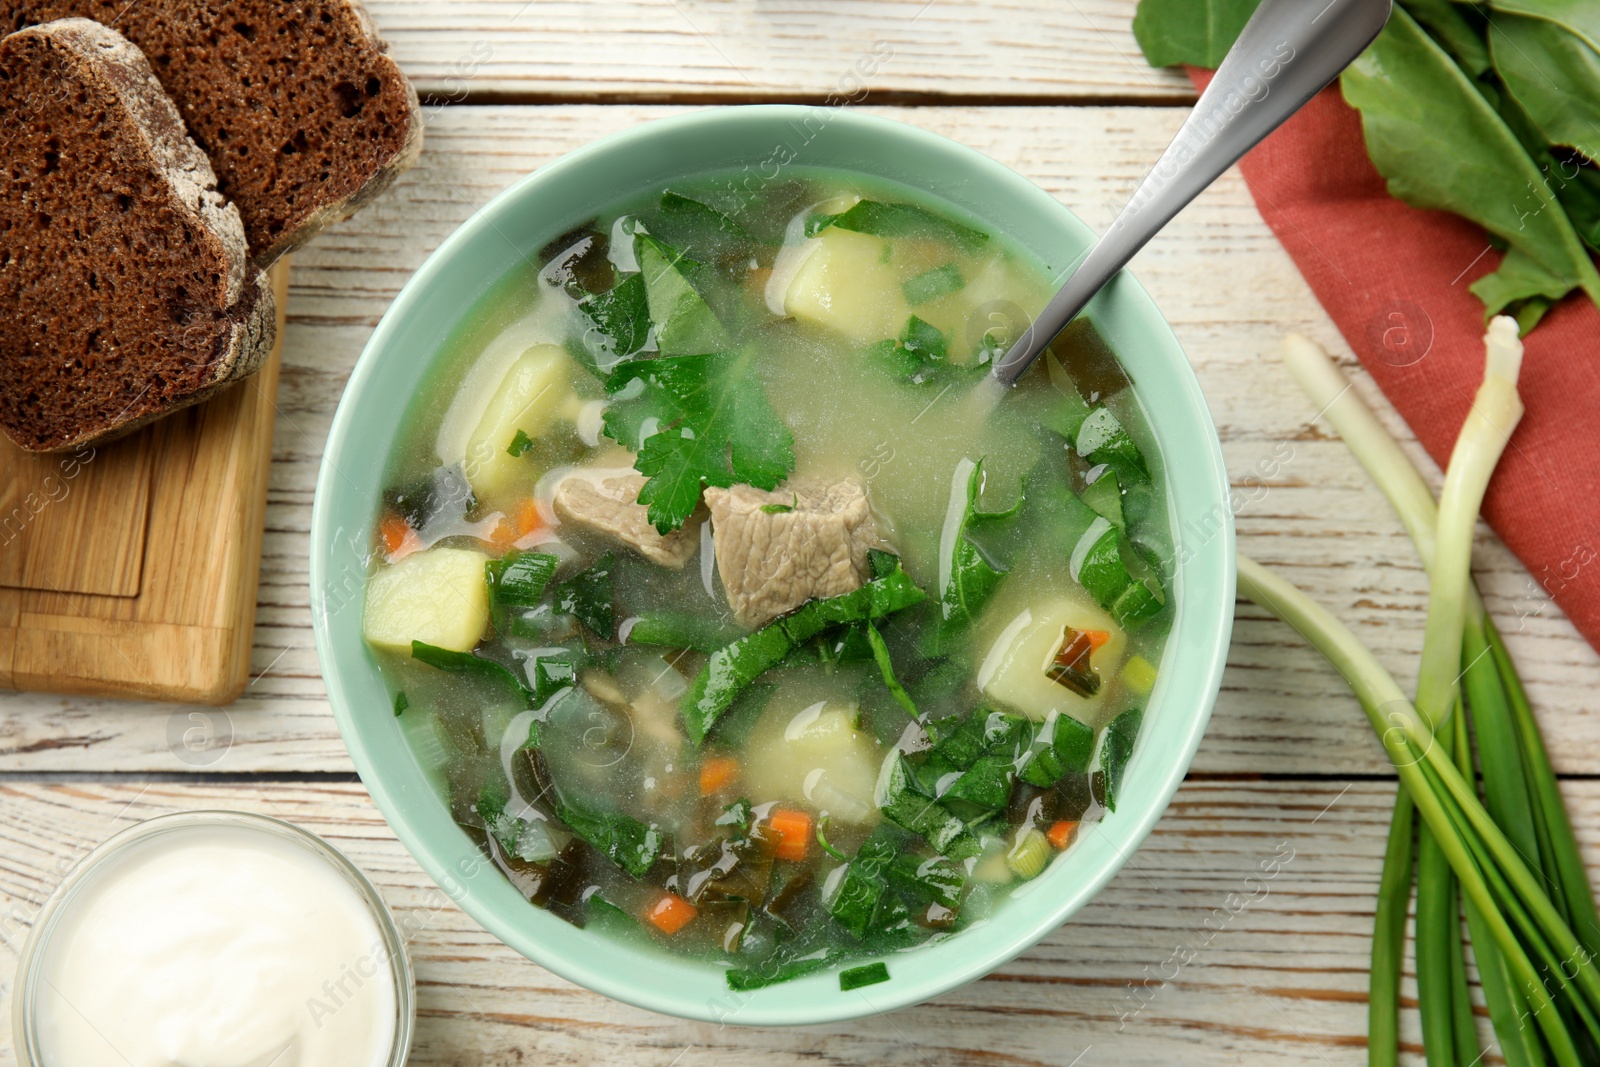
x: 847, y: 284
x: 1013, y: 673
x: 534, y: 394
x: 438, y: 596
x: 816, y: 758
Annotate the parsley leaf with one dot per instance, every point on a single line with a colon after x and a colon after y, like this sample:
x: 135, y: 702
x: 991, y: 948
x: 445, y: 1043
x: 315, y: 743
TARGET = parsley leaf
x: 621, y: 315
x: 714, y: 426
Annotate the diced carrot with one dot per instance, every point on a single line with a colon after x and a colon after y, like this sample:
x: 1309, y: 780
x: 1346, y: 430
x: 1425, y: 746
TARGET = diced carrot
x: 399, y: 539
x: 717, y: 773
x: 794, y: 833
x: 526, y: 518
x: 1062, y: 833
x: 1096, y: 638
x: 393, y: 531
x: 671, y: 913
x: 502, y: 536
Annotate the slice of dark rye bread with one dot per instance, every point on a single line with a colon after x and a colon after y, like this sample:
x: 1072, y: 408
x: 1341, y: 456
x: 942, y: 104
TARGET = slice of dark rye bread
x: 125, y: 287
x: 304, y: 115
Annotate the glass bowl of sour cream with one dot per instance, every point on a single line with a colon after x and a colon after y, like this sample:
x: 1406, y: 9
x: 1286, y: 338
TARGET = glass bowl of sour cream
x: 214, y: 937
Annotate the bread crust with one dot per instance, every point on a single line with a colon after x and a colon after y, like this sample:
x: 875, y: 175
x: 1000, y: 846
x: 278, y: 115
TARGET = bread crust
x: 233, y: 322
x: 241, y: 350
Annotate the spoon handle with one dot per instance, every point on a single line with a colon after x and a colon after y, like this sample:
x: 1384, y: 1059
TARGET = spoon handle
x: 1289, y: 50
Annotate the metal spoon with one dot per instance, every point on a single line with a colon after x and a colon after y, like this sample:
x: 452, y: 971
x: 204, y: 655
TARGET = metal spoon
x: 1289, y: 50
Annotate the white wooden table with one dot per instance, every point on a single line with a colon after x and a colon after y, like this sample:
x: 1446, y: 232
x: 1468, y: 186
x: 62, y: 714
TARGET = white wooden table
x: 1059, y: 92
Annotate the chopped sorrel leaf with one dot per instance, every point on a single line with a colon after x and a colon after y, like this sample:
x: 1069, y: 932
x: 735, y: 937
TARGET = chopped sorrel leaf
x: 880, y: 653
x: 685, y: 324
x: 622, y: 839
x: 931, y: 285
x: 924, y: 340
x: 781, y: 968
x: 735, y: 666
x: 970, y: 578
x: 590, y: 596
x: 1116, y: 749
x: 433, y: 504
x: 466, y: 663
x: 698, y: 227
x: 899, y: 220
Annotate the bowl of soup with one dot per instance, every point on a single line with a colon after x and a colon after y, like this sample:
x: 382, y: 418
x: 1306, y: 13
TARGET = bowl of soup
x: 708, y: 622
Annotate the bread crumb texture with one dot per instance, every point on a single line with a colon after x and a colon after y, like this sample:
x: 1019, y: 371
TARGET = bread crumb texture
x: 304, y: 115
x: 125, y: 288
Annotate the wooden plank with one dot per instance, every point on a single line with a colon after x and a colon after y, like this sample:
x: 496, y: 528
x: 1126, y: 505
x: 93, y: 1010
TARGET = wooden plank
x: 1219, y: 275
x: 75, y: 521
x: 1238, y: 933
x: 744, y: 50
x: 183, y: 630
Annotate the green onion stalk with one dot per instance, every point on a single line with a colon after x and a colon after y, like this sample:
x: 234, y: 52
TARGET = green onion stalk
x: 1465, y: 670
x: 1518, y: 917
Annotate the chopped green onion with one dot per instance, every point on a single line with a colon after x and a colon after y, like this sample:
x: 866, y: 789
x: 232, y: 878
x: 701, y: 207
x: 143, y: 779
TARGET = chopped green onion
x: 868, y: 974
x: 822, y: 839
x: 518, y: 579
x: 679, y: 630
x: 401, y: 703
x: 1030, y: 854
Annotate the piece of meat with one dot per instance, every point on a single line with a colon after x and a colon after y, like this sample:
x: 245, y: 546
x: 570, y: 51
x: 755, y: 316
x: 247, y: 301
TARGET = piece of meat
x: 607, y: 503
x: 810, y: 541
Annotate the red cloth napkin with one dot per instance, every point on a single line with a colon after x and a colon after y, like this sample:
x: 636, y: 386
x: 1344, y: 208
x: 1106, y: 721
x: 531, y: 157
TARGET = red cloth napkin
x: 1394, y: 278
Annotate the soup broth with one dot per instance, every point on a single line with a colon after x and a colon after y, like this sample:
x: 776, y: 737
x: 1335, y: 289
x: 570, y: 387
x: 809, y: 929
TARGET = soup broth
x: 733, y: 611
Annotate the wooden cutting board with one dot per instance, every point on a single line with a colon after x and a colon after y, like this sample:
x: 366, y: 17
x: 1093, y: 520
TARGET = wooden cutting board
x: 129, y: 569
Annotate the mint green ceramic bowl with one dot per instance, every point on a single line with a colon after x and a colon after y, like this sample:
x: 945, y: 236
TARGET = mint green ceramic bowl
x: 563, y: 194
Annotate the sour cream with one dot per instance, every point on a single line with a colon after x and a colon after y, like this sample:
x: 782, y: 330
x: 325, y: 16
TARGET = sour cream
x: 216, y: 943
